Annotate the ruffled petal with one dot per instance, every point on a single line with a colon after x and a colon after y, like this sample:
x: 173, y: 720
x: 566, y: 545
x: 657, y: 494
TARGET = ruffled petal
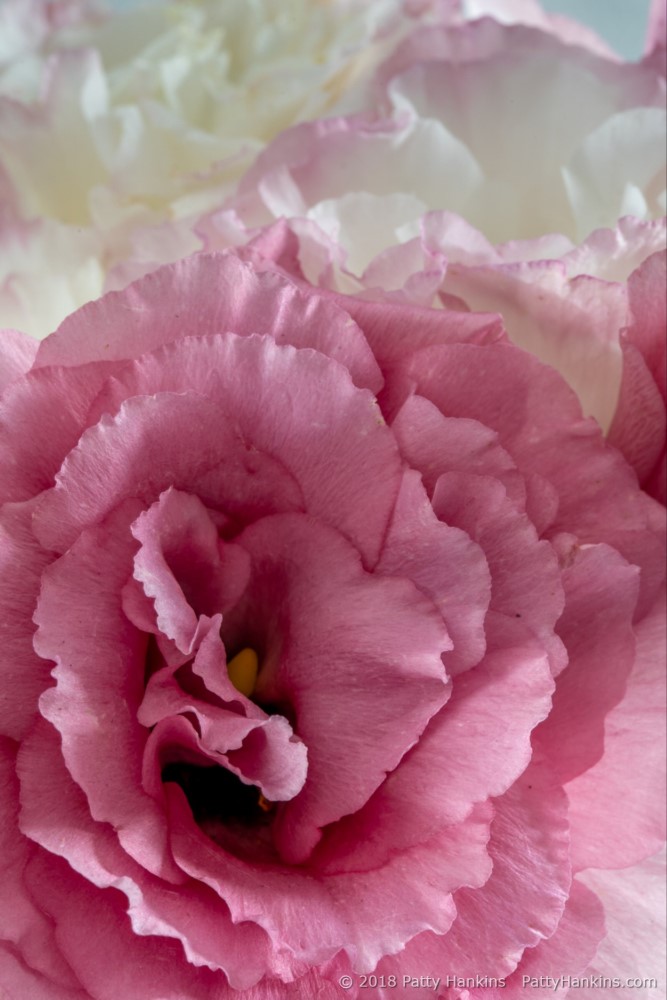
x: 226, y: 294
x: 639, y: 425
x: 367, y: 914
x: 99, y: 685
x: 522, y: 902
x: 446, y: 565
x: 263, y: 450
x: 30, y: 958
x: 495, y: 706
x: 23, y: 675
x: 377, y: 642
x: 196, y: 916
x: 545, y: 968
x: 627, y: 785
x: 596, y: 626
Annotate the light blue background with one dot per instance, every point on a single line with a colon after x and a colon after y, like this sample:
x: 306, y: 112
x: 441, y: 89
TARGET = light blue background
x: 622, y: 23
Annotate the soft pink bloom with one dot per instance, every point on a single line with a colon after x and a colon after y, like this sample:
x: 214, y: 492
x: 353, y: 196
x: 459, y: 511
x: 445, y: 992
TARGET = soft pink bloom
x: 453, y: 586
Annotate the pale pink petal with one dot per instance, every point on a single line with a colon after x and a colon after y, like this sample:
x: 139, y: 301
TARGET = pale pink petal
x: 613, y: 254
x: 627, y: 786
x: 473, y: 78
x: 17, y: 353
x: 634, y: 947
x: 565, y: 954
x: 571, y: 323
x: 321, y: 171
x: 530, y: 12
x: 638, y: 429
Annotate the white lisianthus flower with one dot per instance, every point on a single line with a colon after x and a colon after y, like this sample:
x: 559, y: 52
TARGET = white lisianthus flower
x: 120, y: 128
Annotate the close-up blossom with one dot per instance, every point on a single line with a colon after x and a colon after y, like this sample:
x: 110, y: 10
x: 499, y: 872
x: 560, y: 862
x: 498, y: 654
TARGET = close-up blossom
x: 332, y: 502
x: 344, y: 645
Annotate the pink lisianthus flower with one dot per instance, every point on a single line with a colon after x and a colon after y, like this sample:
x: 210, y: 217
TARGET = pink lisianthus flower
x: 517, y: 169
x: 331, y: 636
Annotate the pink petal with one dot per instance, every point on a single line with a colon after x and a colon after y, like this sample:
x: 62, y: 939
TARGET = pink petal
x: 446, y: 565
x: 23, y: 675
x: 27, y: 933
x: 241, y: 446
x: 600, y: 597
x: 657, y: 26
x: 202, y: 295
x: 17, y: 354
x: 566, y: 953
x: 496, y: 705
x: 526, y: 590
x: 639, y: 424
x: 56, y: 815
x: 24, y: 982
x: 262, y: 752
x: 30, y: 457
x: 93, y: 922
x: 634, y: 947
x: 627, y: 786
x: 524, y: 899
x: 367, y: 914
x: 181, y: 566
x: 100, y: 684
x: 435, y: 444
x: 377, y: 643
x: 520, y: 904
x: 598, y: 496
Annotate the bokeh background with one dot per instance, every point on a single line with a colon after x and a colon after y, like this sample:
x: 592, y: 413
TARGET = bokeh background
x: 622, y: 23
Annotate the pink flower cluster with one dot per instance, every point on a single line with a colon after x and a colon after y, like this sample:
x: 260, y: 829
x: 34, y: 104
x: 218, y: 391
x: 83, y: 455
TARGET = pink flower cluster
x: 332, y: 577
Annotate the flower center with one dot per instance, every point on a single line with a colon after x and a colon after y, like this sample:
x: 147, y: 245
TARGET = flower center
x: 242, y: 670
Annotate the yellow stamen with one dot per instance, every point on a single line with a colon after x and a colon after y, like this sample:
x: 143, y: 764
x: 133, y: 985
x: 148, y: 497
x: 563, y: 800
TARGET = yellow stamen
x: 264, y: 804
x: 242, y: 670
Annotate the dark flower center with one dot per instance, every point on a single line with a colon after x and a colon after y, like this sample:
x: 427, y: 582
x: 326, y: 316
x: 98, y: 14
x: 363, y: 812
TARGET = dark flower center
x: 235, y: 815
